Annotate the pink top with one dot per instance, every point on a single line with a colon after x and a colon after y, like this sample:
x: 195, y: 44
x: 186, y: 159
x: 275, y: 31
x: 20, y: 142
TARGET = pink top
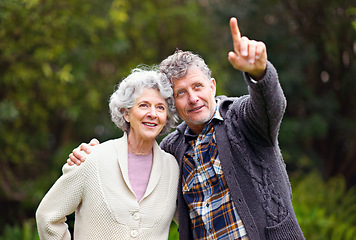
x: 139, y: 173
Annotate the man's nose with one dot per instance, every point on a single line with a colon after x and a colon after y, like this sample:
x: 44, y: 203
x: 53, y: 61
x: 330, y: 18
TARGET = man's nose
x: 193, y: 98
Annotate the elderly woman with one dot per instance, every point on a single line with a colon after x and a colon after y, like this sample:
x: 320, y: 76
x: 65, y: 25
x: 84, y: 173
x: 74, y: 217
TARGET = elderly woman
x: 127, y: 187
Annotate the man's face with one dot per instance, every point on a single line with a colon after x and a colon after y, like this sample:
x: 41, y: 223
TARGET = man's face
x: 194, y: 97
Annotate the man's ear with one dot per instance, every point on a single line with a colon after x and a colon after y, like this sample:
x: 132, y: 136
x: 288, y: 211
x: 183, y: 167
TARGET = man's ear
x: 213, y: 86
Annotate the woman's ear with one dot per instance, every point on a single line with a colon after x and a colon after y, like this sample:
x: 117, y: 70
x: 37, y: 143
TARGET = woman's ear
x: 126, y: 115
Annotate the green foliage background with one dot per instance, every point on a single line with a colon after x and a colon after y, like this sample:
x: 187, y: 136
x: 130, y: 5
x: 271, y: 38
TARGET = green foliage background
x: 60, y: 61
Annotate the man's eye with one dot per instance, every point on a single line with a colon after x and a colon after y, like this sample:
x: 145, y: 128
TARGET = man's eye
x: 180, y: 93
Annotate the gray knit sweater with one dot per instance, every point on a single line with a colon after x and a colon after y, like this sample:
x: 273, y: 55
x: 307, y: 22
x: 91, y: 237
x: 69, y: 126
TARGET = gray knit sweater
x: 251, y: 160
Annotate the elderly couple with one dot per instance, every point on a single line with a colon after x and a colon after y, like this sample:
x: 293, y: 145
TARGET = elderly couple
x: 220, y: 174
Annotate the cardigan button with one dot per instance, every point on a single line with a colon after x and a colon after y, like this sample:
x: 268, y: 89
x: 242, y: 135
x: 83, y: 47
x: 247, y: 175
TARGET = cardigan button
x: 134, y: 233
x: 136, y: 216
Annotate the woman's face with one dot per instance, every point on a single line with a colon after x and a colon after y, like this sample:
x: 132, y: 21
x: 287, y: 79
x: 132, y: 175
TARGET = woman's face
x: 148, y: 115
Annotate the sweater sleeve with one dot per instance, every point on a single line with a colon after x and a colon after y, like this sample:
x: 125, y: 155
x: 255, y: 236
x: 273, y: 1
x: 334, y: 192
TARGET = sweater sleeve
x: 170, y: 143
x: 263, y: 110
x: 61, y: 200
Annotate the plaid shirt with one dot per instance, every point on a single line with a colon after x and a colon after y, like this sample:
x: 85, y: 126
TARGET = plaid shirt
x: 212, y: 212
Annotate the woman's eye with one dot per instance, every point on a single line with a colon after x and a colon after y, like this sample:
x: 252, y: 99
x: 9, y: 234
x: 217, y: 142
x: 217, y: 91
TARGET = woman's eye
x: 142, y: 105
x: 162, y: 108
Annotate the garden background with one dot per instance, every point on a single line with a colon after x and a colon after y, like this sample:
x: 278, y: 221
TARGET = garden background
x: 60, y: 61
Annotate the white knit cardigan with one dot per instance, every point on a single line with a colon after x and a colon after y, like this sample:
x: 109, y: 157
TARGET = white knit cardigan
x: 105, y: 205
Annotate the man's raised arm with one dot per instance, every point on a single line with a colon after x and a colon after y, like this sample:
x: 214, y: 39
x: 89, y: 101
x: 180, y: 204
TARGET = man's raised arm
x: 249, y: 55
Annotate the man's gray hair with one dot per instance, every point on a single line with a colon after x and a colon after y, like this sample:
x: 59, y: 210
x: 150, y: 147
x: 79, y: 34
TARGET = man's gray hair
x: 176, y: 65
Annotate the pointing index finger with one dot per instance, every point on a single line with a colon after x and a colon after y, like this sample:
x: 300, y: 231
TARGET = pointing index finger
x: 236, y: 35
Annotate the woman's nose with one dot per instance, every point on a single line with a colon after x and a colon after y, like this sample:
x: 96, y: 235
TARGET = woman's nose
x: 152, y: 112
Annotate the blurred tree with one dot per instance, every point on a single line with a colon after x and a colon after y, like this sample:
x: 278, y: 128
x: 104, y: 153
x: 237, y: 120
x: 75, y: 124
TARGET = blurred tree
x: 59, y: 62
x: 326, y: 106
x: 328, y: 213
x: 49, y: 51
x: 313, y: 46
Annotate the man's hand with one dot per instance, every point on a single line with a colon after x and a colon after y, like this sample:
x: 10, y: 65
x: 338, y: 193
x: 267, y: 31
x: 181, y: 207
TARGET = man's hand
x: 249, y: 55
x: 76, y: 157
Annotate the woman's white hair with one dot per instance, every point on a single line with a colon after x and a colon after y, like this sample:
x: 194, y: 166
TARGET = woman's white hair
x: 130, y: 88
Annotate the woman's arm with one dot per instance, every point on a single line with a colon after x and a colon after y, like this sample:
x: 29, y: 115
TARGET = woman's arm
x: 61, y: 200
